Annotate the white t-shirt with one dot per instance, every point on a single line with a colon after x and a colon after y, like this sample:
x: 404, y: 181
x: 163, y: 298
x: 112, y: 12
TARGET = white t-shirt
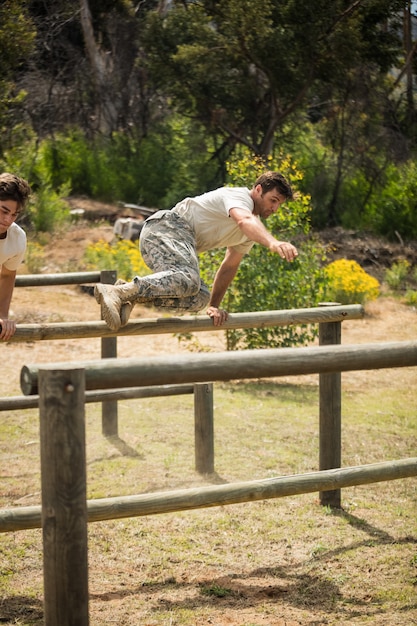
x: 13, y: 247
x: 209, y: 216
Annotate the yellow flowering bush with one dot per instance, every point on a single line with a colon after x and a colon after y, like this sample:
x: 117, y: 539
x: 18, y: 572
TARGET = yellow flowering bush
x: 124, y: 256
x: 348, y: 283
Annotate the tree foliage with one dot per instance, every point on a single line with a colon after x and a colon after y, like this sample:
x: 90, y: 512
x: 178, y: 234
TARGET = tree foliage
x: 179, y: 87
x: 17, y: 36
x: 243, y: 67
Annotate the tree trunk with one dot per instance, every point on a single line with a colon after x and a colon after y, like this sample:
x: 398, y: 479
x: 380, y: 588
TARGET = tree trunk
x: 101, y: 70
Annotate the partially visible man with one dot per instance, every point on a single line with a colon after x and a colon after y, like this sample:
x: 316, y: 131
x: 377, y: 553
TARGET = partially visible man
x: 170, y: 241
x: 14, y: 194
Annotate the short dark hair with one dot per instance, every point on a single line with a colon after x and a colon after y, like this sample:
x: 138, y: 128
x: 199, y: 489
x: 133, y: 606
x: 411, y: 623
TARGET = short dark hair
x: 14, y: 188
x: 274, y: 180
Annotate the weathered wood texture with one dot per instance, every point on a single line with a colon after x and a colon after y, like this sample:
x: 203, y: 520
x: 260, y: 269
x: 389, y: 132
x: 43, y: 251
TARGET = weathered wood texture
x: 69, y: 278
x: 330, y: 414
x: 204, y: 428
x: 109, y: 412
x: 13, y: 403
x: 20, y: 518
x: 221, y: 366
x: 185, y: 324
x: 64, y: 507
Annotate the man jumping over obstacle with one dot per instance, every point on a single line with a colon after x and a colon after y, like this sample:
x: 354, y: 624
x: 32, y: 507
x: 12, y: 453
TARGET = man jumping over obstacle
x: 14, y: 193
x: 170, y: 241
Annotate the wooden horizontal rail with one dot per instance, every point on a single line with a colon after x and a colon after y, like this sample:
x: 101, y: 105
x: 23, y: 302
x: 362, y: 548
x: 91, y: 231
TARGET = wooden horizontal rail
x: 32, y: 402
x: 70, y: 278
x: 223, y: 366
x: 22, y: 518
x: 187, y: 324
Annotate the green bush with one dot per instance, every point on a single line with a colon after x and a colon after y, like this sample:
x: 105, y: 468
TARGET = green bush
x: 396, y: 275
x: 264, y: 281
x: 157, y: 171
x: 391, y: 208
x: 47, y: 210
x: 410, y: 297
x: 120, y: 168
x: 34, y: 257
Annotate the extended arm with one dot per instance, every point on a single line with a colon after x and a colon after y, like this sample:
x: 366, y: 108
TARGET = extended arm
x: 7, y: 280
x: 253, y: 228
x: 224, y: 276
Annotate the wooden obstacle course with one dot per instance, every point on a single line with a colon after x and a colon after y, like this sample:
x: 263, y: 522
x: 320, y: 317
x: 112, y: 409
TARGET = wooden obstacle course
x: 326, y: 360
x: 62, y: 408
x: 329, y: 316
x: 204, y: 445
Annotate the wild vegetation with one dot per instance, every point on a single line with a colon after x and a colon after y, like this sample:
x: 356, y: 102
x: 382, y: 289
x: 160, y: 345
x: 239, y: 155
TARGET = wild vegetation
x: 148, y: 102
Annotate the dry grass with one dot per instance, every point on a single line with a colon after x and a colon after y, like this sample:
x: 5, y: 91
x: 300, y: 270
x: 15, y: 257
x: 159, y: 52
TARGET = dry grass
x: 278, y: 562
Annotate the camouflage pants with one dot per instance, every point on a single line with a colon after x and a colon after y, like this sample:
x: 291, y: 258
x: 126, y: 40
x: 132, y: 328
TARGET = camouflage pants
x: 167, y: 245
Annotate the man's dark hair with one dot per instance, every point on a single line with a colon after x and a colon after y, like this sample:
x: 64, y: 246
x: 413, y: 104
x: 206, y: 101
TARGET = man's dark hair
x: 14, y: 188
x: 274, y: 180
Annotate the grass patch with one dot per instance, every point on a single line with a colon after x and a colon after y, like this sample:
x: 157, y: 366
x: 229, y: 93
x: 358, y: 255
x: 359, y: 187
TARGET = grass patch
x: 263, y: 563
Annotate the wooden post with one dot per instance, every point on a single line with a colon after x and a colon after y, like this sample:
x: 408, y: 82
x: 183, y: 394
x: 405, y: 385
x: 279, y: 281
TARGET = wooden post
x: 64, y: 504
x: 204, y: 428
x: 330, y: 429
x: 109, y: 413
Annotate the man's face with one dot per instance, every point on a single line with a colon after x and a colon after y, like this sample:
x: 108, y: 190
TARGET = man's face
x: 266, y: 203
x: 8, y: 214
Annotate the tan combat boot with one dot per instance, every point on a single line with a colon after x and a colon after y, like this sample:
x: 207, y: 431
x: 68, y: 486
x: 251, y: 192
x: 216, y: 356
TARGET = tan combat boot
x: 126, y: 307
x: 112, y: 298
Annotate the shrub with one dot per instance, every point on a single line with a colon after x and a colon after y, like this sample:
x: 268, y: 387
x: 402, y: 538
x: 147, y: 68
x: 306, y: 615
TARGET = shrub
x: 391, y: 209
x: 34, y: 257
x: 48, y: 211
x: 348, y: 283
x: 396, y: 275
x: 123, y: 256
x: 410, y: 297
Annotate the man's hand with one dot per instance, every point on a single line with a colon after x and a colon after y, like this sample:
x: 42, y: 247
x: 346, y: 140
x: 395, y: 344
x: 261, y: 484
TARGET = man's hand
x: 219, y: 316
x: 285, y: 250
x: 7, y: 329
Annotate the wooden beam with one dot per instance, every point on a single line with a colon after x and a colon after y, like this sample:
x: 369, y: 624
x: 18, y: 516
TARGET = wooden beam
x: 69, y: 278
x: 22, y: 518
x: 13, y: 403
x: 186, y: 324
x: 222, y: 366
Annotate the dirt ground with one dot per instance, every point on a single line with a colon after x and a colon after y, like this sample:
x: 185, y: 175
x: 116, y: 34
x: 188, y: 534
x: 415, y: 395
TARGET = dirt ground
x: 387, y: 319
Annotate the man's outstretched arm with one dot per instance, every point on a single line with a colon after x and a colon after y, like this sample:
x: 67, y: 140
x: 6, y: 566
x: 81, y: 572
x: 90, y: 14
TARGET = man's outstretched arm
x: 253, y: 228
x: 224, y: 276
